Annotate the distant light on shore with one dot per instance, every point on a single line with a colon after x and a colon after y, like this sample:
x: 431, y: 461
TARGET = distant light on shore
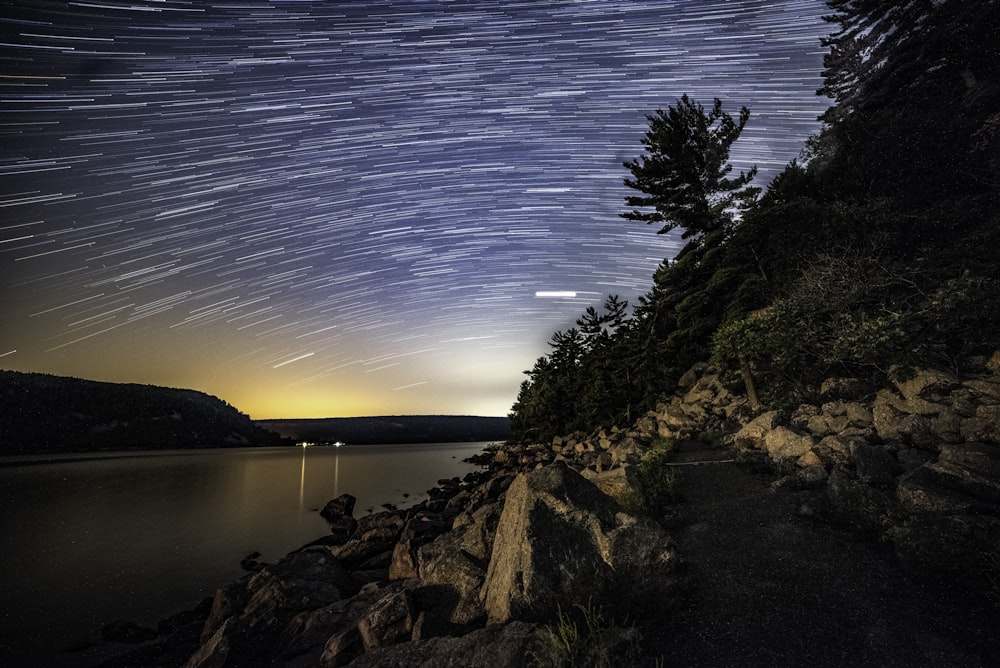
x: 555, y: 293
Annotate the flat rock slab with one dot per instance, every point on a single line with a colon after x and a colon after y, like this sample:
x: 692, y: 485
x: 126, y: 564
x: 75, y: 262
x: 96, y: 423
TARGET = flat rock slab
x: 769, y: 588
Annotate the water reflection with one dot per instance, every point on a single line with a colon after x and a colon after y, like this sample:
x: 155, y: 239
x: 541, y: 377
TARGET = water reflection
x: 138, y: 537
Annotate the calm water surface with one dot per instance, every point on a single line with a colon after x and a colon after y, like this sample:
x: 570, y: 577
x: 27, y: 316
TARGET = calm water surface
x: 137, y: 537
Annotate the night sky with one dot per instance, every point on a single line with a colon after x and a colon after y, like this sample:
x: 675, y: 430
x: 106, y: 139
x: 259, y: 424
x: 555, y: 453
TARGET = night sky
x: 319, y: 209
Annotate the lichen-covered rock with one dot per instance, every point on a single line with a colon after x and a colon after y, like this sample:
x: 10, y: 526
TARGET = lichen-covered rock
x: 561, y: 541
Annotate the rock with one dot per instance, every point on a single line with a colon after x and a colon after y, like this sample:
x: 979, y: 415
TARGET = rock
x: 232, y: 644
x: 844, y: 388
x: 339, y: 513
x: 921, y: 492
x: 342, y: 648
x: 751, y: 435
x: 809, y: 459
x: 342, y: 505
x: 560, y: 541
x: 507, y: 646
x: 248, y: 616
x: 811, y: 474
x: 965, y: 477
x: 388, y: 621
x: 926, y: 383
x: 886, y: 417
x: 875, y: 465
x: 911, y: 458
x: 375, y: 534
x: 418, y: 530
x: 304, y: 580
x: 858, y: 415
x: 783, y: 443
x: 444, y: 562
x: 835, y: 449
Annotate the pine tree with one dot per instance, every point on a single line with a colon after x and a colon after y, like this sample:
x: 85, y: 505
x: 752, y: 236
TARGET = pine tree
x: 684, y: 176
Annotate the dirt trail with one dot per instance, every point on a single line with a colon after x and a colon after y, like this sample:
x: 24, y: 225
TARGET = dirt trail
x: 769, y: 588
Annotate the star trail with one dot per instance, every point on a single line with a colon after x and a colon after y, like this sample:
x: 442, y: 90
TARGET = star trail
x: 333, y: 208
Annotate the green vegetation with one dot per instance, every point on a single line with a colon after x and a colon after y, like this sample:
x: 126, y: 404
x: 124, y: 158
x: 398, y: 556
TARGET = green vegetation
x: 653, y: 484
x: 874, y: 250
x: 586, y: 638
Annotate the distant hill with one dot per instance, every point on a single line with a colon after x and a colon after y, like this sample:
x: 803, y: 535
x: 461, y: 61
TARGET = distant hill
x: 394, y: 429
x: 40, y: 413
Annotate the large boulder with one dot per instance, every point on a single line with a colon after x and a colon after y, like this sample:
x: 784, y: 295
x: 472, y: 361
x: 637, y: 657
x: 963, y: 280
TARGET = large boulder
x: 249, y: 616
x: 561, y: 541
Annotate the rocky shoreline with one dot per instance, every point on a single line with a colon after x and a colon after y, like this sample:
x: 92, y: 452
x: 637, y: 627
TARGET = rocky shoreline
x: 476, y: 574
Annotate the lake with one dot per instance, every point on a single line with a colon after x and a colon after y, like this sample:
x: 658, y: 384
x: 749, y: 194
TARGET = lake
x: 86, y: 540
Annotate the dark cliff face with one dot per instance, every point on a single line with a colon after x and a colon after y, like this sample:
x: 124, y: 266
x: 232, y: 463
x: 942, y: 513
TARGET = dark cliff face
x: 40, y: 413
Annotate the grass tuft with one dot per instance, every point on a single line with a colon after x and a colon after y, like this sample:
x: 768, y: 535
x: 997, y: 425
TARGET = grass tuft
x: 586, y: 638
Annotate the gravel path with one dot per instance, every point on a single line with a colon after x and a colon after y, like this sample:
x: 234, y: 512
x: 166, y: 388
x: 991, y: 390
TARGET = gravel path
x: 768, y: 588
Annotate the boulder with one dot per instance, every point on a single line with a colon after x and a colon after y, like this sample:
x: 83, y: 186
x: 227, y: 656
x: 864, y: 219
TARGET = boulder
x: 418, y: 530
x: 966, y: 477
x: 460, y: 576
x: 751, y: 435
x: 388, y: 621
x: 309, y: 633
x: 927, y: 384
x: 886, y: 418
x: 783, y: 443
x: 303, y: 580
x: 341, y: 506
x: 248, y: 616
x: 874, y: 464
x: 376, y: 534
x: 561, y: 541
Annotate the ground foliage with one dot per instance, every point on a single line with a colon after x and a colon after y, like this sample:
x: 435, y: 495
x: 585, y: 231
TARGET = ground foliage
x: 874, y: 250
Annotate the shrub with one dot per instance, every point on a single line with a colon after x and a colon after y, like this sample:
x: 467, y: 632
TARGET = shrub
x: 654, y: 483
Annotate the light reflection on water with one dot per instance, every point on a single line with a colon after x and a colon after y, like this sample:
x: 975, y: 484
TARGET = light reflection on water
x: 85, y: 542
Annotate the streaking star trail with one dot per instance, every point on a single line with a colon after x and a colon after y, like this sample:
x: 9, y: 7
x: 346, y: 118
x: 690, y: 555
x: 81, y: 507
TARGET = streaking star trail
x: 307, y: 208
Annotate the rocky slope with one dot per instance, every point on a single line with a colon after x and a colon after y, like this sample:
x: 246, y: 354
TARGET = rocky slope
x: 473, y: 576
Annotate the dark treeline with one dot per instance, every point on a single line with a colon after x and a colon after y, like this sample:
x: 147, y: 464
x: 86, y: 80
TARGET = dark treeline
x: 875, y: 250
x: 393, y: 429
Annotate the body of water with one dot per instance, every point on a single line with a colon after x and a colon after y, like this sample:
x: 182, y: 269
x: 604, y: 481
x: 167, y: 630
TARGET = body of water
x: 86, y: 541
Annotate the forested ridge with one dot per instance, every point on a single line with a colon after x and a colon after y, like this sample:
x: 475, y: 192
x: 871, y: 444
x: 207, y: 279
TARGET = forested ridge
x: 873, y: 253
x: 40, y: 413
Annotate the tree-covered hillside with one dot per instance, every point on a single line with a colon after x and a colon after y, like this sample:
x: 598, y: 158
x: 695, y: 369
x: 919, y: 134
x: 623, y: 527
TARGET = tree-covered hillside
x: 874, y: 251
x: 40, y: 413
